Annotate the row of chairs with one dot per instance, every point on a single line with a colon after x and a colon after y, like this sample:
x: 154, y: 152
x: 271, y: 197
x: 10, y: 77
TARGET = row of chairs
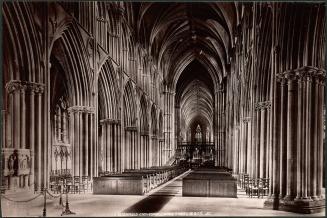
x: 254, y: 187
x: 70, y: 184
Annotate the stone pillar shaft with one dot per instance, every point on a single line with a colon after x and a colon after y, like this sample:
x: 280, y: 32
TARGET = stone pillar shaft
x: 304, y: 143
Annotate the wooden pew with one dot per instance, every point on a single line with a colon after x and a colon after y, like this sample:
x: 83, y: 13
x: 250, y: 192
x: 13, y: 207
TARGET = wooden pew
x: 210, y: 183
x: 134, y: 182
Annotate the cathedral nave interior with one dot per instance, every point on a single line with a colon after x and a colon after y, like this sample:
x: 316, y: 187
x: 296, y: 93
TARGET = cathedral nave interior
x: 163, y: 108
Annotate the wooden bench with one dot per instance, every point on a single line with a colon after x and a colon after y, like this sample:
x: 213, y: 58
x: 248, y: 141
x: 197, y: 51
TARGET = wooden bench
x: 134, y: 182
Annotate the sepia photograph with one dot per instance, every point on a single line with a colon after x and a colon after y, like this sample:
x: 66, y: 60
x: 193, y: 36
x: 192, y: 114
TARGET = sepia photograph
x: 167, y: 109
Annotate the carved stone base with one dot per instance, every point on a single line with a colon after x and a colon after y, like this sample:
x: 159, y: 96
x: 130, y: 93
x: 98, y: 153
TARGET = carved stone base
x: 306, y: 206
x: 14, y: 183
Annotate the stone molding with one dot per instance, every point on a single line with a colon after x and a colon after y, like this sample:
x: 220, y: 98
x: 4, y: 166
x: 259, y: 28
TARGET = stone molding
x: 109, y: 121
x: 102, y: 19
x: 307, y: 73
x: 246, y: 119
x: 82, y: 109
x: 17, y: 85
x: 221, y: 90
x: 131, y: 128
x: 263, y: 105
x: 145, y: 133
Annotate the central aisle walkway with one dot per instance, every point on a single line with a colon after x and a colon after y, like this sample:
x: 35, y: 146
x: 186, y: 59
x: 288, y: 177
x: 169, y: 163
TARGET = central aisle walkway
x: 159, y: 197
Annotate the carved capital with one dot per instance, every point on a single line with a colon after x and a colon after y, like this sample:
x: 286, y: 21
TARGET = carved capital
x: 109, y: 121
x: 22, y: 86
x: 246, y: 119
x: 81, y: 109
x: 306, y: 73
x: 102, y: 19
x: 263, y: 105
x: 276, y: 49
x: 13, y: 85
x: 37, y: 89
x: 131, y: 128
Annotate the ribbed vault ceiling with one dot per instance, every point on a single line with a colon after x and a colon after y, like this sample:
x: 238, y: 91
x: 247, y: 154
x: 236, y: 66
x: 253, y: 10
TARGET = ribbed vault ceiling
x: 175, y: 34
x: 191, y: 44
x: 197, y: 102
x: 194, y: 96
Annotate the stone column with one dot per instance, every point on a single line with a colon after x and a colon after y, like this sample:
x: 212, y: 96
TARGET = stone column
x: 131, y: 150
x: 105, y: 146
x: 147, y: 151
x: 304, y: 105
x: 257, y: 164
x: 39, y: 91
x: 23, y: 117
x: 76, y: 143
x: 137, y: 149
x: 109, y: 146
x: 114, y: 150
x: 72, y: 138
x: 135, y: 153
x: 17, y: 117
x: 81, y: 143
x: 320, y: 83
x: 291, y: 137
x: 151, y: 150
x: 255, y: 143
x: 247, y: 141
x: 119, y: 157
x: 262, y: 107
x: 11, y: 114
x: 274, y: 187
x: 268, y: 136
x: 314, y: 140
x: 141, y: 151
x: 127, y: 149
x: 32, y: 137
x: 262, y: 143
x: 282, y: 139
x: 120, y: 148
x: 243, y: 147
x: 93, y: 147
x: 102, y: 149
x: 246, y: 165
x: 14, y: 89
x: 86, y: 167
x: 216, y: 128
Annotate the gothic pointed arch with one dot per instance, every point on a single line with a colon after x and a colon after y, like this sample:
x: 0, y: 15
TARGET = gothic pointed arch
x: 160, y: 124
x: 144, y: 115
x: 22, y: 51
x: 70, y: 51
x: 154, y: 122
x: 108, y: 92
x: 129, y: 105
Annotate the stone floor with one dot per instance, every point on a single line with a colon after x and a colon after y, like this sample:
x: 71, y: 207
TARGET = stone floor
x: 165, y: 200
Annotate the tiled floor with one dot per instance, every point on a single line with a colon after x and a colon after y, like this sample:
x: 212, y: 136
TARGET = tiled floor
x: 165, y: 200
